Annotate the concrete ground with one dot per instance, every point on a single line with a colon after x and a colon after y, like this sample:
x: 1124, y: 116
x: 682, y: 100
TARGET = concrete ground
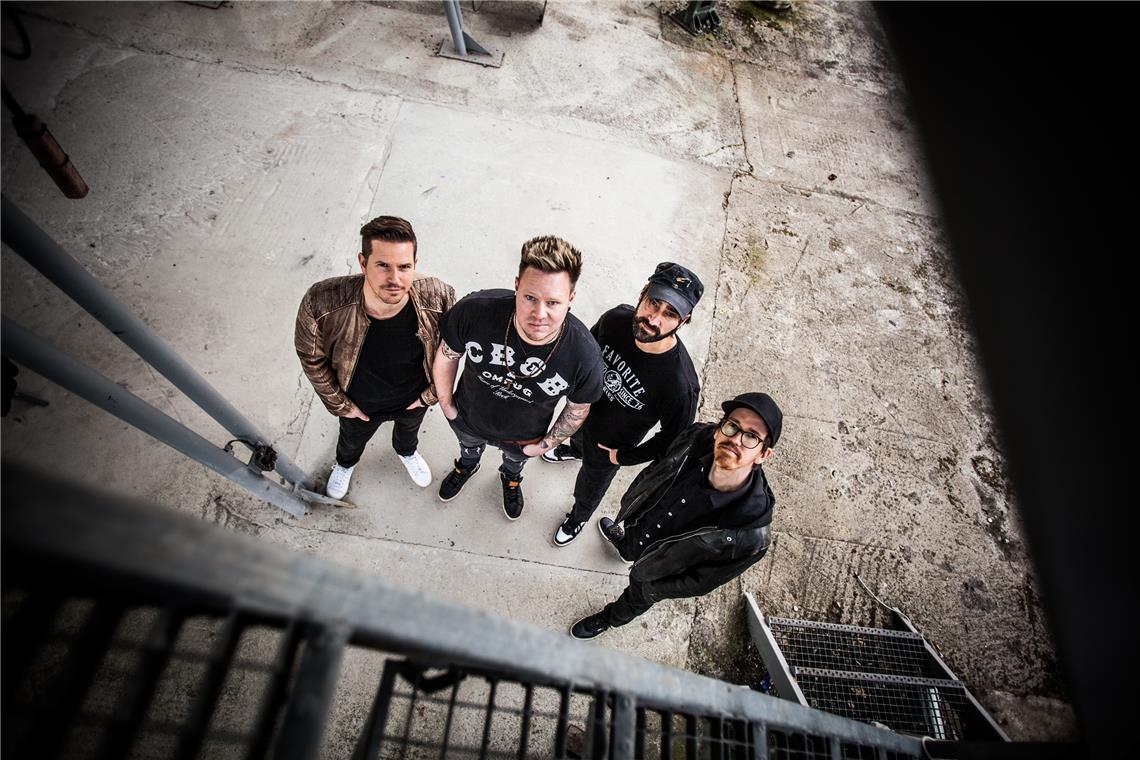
x: 233, y: 154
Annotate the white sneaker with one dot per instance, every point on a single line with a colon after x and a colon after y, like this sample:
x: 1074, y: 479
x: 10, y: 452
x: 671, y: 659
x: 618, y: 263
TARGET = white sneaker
x: 338, y: 481
x: 417, y: 468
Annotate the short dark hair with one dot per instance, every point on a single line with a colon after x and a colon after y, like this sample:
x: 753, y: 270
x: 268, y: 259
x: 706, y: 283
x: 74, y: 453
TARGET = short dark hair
x: 391, y: 229
x: 551, y: 254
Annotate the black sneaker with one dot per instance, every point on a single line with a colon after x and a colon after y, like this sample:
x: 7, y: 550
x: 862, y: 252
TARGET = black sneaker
x: 561, y: 453
x: 589, y: 627
x: 568, y: 530
x: 455, y: 480
x: 613, y: 533
x: 512, y: 497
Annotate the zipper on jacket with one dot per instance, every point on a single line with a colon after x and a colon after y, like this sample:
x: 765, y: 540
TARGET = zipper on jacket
x: 360, y: 347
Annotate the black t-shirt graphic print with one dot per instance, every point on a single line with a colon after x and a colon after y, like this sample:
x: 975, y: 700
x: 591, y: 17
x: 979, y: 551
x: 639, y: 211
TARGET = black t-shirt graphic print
x: 509, y: 388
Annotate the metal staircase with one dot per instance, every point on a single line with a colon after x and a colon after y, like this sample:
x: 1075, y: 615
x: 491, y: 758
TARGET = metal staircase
x: 892, y: 678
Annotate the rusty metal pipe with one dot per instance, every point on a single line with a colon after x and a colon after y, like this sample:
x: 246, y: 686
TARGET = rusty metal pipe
x: 46, y: 149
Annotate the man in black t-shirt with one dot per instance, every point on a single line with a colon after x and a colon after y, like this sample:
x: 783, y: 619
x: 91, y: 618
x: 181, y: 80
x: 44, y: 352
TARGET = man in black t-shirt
x: 649, y: 379
x: 525, y: 351
x: 366, y: 343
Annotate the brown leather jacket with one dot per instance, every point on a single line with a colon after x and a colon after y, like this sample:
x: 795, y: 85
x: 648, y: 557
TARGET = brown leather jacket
x: 331, y: 324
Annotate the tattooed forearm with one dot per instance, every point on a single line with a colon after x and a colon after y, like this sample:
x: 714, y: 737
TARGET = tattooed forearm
x: 446, y: 349
x: 566, y: 425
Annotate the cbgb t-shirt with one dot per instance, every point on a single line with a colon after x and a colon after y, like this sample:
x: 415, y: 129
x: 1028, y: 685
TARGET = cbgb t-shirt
x: 509, y: 388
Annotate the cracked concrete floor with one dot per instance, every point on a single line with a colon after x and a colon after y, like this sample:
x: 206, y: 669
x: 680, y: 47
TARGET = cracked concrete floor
x: 234, y: 152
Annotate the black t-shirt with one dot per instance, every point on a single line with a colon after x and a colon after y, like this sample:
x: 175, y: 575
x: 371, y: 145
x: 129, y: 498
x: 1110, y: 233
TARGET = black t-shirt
x: 389, y: 374
x: 508, y: 393
x: 639, y: 390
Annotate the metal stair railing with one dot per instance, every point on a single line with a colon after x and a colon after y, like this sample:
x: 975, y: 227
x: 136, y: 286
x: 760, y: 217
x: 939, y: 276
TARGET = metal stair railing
x: 131, y: 629
x: 27, y: 240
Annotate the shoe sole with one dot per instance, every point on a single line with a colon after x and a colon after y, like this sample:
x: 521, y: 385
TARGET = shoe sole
x: 512, y: 519
x: 451, y: 498
x: 582, y: 638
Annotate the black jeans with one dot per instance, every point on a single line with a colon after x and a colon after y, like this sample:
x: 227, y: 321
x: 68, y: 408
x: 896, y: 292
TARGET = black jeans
x: 634, y: 601
x: 472, y: 445
x: 355, y: 434
x: 594, y: 476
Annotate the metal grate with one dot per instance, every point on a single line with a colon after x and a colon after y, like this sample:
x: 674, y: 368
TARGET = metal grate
x: 938, y: 708
x: 890, y: 678
x: 100, y: 678
x: 848, y: 647
x: 418, y: 713
x: 796, y: 746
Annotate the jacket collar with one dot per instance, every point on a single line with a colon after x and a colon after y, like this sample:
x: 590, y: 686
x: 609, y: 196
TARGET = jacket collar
x: 747, y: 505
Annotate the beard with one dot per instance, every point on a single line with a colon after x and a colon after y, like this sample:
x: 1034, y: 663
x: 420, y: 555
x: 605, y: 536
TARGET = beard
x: 726, y: 457
x: 643, y: 332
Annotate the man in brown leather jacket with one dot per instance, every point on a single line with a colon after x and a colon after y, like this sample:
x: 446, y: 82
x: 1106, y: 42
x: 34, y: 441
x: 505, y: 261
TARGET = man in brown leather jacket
x: 367, y: 342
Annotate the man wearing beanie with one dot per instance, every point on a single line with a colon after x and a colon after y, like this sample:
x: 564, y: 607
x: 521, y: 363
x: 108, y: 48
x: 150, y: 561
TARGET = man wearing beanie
x: 649, y: 379
x: 697, y: 517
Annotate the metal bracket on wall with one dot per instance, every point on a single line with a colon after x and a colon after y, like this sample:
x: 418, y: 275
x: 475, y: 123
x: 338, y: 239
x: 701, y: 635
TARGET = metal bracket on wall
x: 462, y: 47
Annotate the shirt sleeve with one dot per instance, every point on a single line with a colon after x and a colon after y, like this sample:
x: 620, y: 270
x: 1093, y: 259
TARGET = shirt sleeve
x: 678, y: 415
x: 588, y: 389
x: 452, y: 326
x: 315, y: 360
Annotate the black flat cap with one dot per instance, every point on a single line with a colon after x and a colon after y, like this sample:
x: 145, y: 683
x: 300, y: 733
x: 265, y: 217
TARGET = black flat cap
x: 677, y: 286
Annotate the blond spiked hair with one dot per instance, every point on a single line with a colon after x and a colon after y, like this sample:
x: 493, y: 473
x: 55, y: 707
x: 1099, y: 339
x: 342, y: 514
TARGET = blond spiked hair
x: 551, y: 254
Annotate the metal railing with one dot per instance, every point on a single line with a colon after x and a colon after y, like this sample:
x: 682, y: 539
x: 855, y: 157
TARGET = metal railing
x: 98, y: 589
x: 27, y: 240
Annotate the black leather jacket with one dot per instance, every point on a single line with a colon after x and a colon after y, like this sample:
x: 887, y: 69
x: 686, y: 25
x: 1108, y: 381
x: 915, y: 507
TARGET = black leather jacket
x: 696, y: 562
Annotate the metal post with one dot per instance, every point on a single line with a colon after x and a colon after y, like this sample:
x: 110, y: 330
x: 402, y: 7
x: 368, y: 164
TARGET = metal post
x: 463, y: 47
x: 25, y: 348
x: 451, y: 8
x: 37, y: 248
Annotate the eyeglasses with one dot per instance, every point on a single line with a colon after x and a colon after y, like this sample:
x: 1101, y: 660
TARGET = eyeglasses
x: 729, y: 429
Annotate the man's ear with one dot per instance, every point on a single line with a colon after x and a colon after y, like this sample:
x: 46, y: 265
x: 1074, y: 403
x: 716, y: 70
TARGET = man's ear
x: 363, y: 261
x: 573, y: 293
x: 516, y: 284
x: 768, y: 452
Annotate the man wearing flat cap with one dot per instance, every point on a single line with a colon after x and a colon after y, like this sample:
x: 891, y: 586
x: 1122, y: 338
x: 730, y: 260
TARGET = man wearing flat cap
x: 697, y: 517
x: 649, y: 379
